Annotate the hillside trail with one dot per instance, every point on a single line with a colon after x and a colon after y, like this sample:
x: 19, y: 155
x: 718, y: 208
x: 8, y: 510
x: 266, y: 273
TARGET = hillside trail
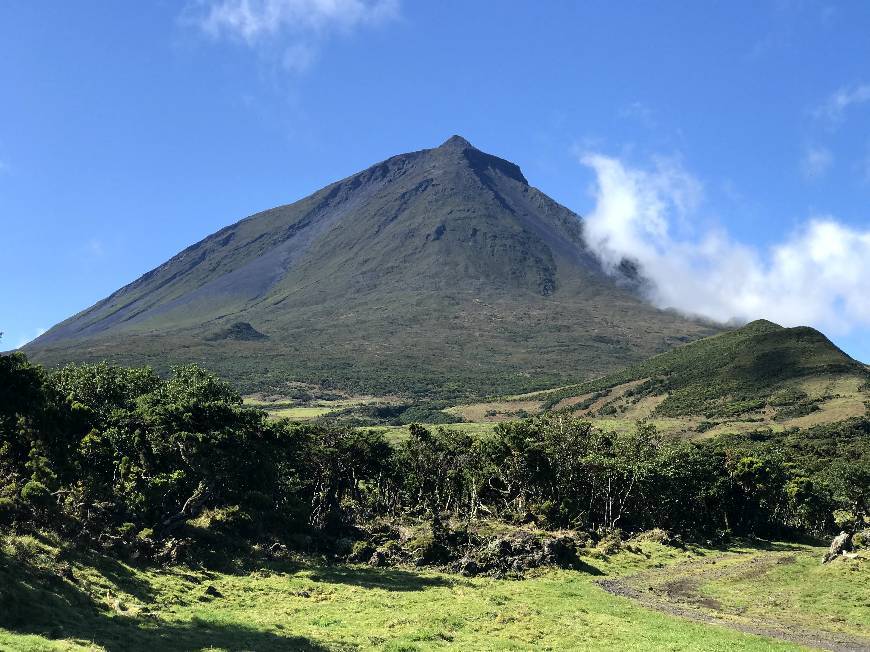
x: 675, y: 591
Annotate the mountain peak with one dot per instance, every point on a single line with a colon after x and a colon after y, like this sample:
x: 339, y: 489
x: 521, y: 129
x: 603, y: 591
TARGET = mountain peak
x: 456, y: 142
x: 457, y: 149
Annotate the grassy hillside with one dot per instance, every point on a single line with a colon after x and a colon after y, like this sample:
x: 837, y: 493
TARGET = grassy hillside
x: 438, y: 272
x: 761, y: 375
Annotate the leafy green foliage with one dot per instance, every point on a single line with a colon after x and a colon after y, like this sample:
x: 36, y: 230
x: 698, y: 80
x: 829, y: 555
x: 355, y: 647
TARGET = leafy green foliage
x: 136, y: 463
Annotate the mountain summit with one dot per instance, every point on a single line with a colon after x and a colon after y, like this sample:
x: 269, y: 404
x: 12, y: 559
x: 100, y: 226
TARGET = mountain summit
x: 431, y: 271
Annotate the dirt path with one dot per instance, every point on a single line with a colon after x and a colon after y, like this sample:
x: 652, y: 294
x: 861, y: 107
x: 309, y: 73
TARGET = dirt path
x: 674, y: 591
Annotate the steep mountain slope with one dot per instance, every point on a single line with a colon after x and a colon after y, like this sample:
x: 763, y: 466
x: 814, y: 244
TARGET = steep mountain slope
x: 761, y: 374
x: 438, y: 271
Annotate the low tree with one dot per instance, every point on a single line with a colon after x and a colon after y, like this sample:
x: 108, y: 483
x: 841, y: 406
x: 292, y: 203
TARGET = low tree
x: 849, y: 481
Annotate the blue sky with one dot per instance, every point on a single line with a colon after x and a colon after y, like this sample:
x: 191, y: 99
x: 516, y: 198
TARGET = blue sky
x: 725, y: 145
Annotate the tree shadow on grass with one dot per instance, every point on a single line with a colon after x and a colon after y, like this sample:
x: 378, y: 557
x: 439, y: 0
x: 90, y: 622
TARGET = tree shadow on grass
x: 389, y: 579
x: 584, y: 566
x: 121, y: 575
x: 194, y: 635
x: 738, y: 544
x: 38, y: 601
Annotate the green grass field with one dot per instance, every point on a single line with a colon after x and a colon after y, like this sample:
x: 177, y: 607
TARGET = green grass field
x: 398, y: 434
x: 66, y: 601
x: 300, y: 413
x: 279, y: 407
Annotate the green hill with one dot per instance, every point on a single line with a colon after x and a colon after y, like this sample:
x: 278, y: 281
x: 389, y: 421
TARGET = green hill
x: 761, y: 375
x: 437, y: 272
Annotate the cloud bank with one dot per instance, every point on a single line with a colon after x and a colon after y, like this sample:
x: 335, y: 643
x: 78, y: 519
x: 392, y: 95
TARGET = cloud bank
x: 819, y: 275
x: 297, y: 28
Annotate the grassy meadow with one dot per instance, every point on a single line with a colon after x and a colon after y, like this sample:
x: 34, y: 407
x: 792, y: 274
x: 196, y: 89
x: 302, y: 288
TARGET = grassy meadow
x: 398, y: 434
x: 782, y: 591
x: 64, y: 600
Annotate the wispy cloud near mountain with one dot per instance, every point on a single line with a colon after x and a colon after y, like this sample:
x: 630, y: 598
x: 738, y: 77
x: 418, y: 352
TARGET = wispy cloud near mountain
x: 816, y: 276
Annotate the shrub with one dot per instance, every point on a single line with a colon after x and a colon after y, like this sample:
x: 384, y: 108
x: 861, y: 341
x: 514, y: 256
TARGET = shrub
x: 361, y: 551
x: 145, y: 534
x: 610, y: 543
x: 658, y: 535
x: 35, y: 493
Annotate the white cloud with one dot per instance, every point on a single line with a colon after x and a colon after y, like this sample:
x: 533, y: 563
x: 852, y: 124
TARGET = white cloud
x: 834, y: 108
x: 24, y: 340
x: 816, y: 276
x: 298, y: 26
x: 816, y: 161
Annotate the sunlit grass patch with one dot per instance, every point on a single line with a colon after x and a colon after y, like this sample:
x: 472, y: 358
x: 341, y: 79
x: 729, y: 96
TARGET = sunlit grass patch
x: 398, y: 434
x: 301, y: 413
x: 495, y: 410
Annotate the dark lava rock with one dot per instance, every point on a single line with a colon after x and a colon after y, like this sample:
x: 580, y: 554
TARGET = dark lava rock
x: 212, y: 592
x: 468, y: 567
x: 378, y: 559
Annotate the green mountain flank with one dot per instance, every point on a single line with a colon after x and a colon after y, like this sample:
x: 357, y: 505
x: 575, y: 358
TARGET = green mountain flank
x: 440, y: 272
x: 761, y: 375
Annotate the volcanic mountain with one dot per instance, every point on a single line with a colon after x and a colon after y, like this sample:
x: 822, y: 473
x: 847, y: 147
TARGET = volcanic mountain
x: 438, y: 272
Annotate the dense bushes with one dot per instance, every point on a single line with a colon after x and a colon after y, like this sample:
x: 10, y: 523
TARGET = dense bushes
x: 563, y: 473
x: 128, y: 460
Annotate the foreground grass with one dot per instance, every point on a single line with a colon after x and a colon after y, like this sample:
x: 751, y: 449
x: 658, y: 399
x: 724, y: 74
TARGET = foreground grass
x: 57, y: 600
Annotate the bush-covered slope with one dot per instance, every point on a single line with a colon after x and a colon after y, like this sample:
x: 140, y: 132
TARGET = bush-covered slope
x: 759, y: 373
x: 138, y: 511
